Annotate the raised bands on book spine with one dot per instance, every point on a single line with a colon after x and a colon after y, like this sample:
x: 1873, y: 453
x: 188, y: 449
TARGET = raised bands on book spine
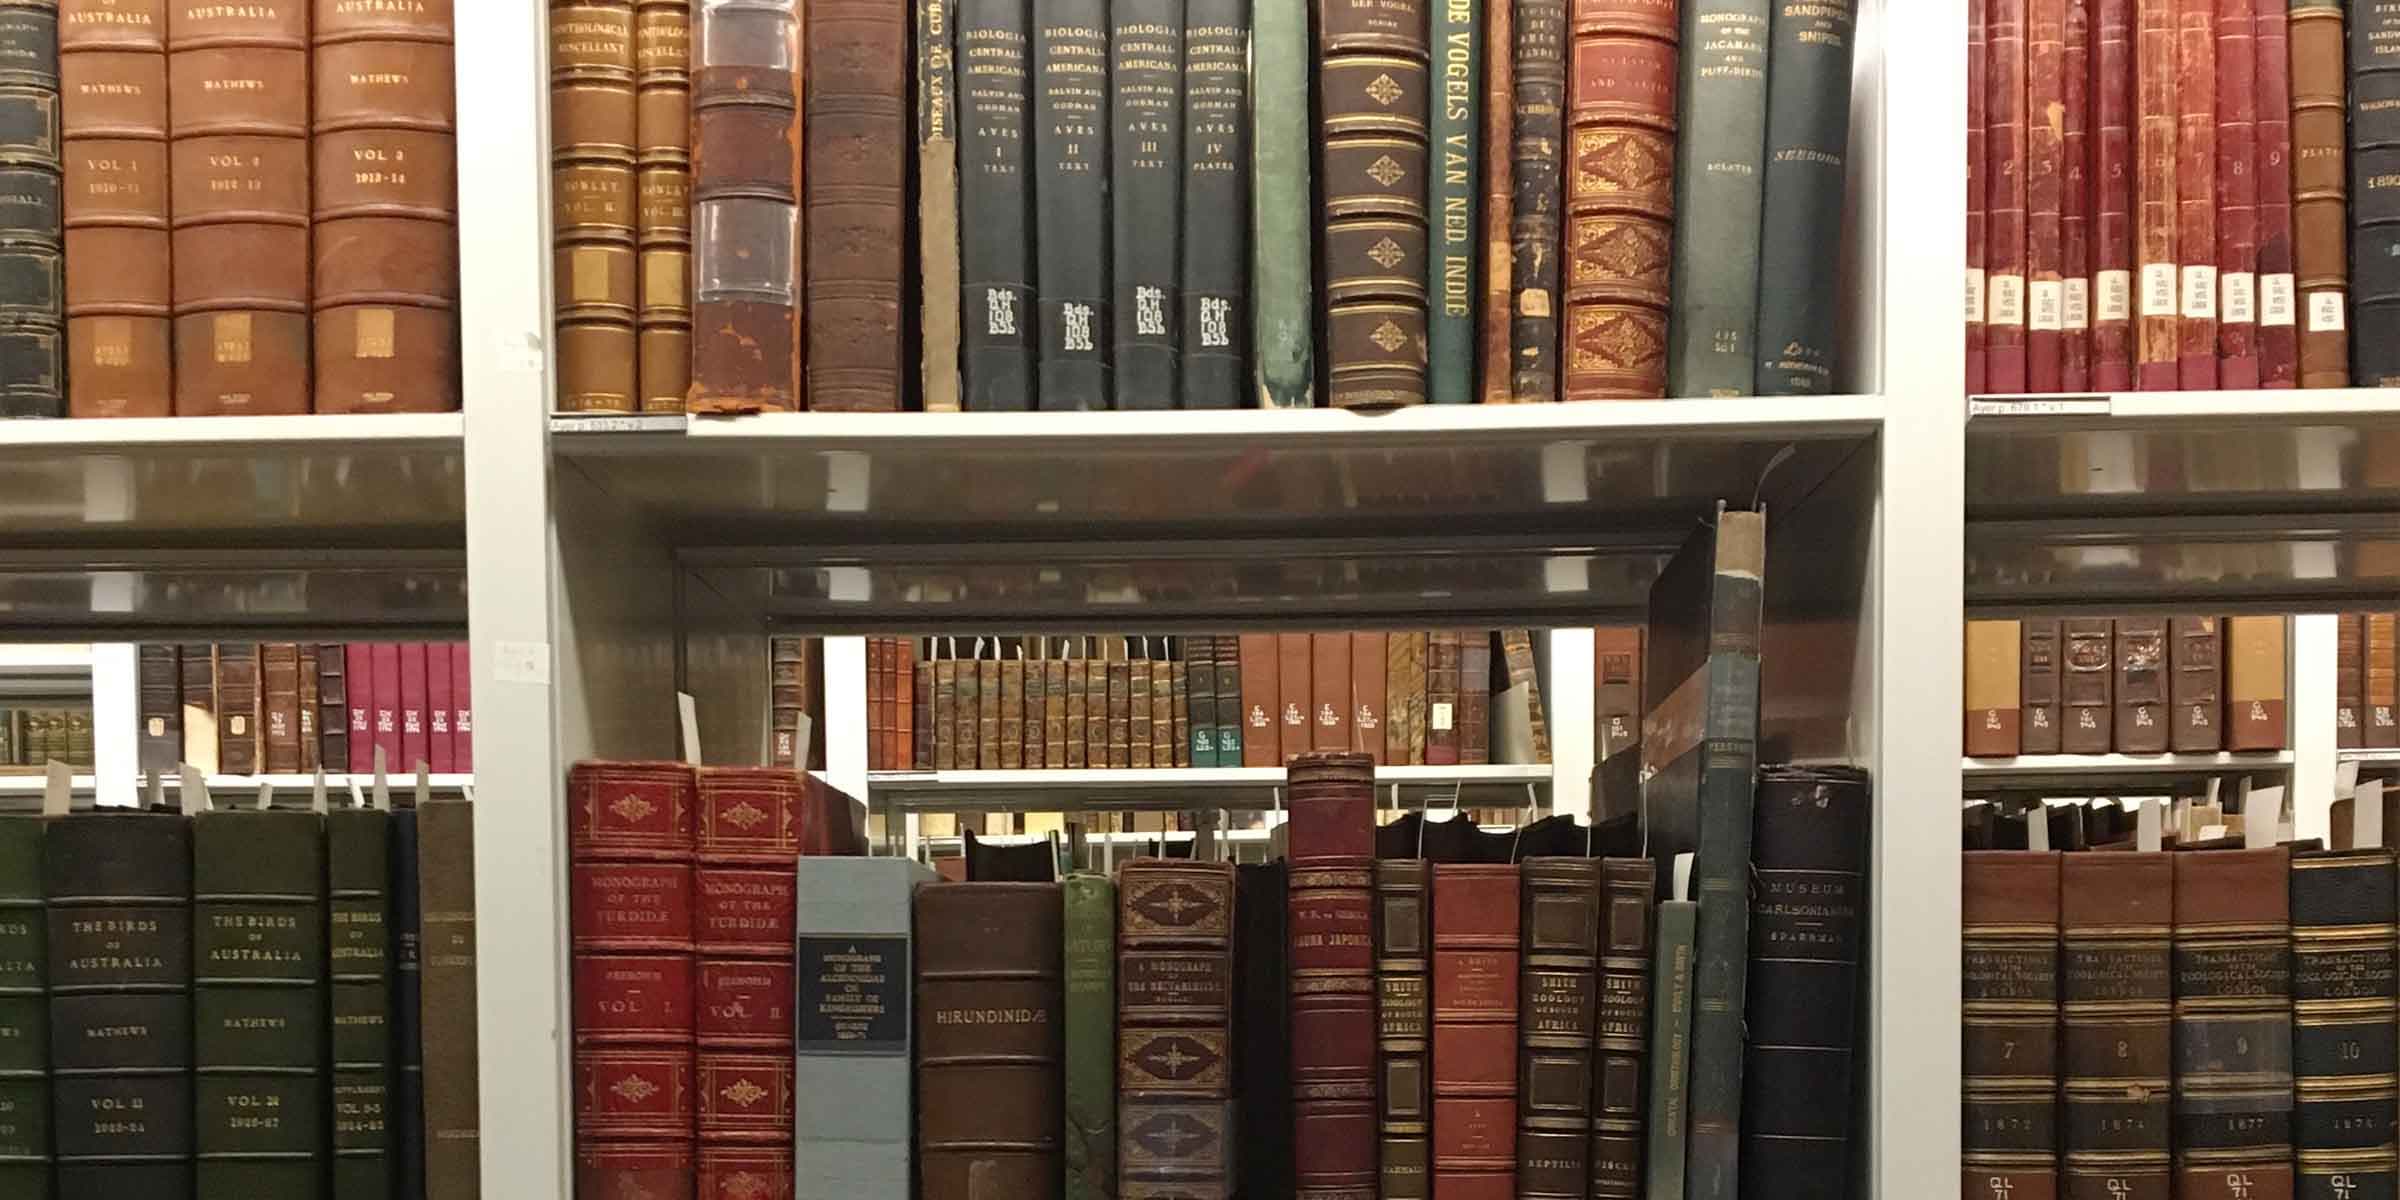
x: 2196, y: 192
x: 1476, y: 922
x: 2278, y: 294
x: 1557, y: 1015
x: 2009, y: 1008
x: 2374, y: 198
x: 594, y: 131
x: 2112, y: 179
x: 662, y: 54
x: 2320, y: 191
x: 25, y: 1117
x: 2116, y: 996
x: 358, y: 878
x: 2343, y: 1055
x: 2158, y: 289
x: 2045, y: 187
x: 1538, y: 77
x: 856, y: 193
x: 1331, y: 977
x: 1175, y: 1027
x: 937, y: 110
x: 258, y: 992
x: 1978, y: 188
x: 1214, y: 278
x: 2233, y: 1023
x: 1372, y: 76
x: 1403, y: 912
x: 2237, y: 195
x: 1621, y: 1101
x: 112, y: 64
x: 1620, y: 200
x: 32, y: 267
x: 2075, y: 204
x: 747, y: 254
x: 988, y: 1092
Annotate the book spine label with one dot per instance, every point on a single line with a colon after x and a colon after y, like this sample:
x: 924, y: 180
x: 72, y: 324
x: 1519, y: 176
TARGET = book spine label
x: 988, y: 1091
x: 1497, y: 180
x: 2005, y: 203
x: 1539, y: 78
x: 2196, y: 192
x: 2374, y: 198
x: 1620, y: 1103
x: 358, y: 881
x: 1216, y: 202
x: 2156, y: 191
x: 748, y: 259
x: 995, y: 235
x: 1282, y: 213
x: 2009, y: 1007
x: 2113, y: 175
x: 1091, y: 1038
x: 1402, y: 1024
x: 1719, y: 172
x: 1331, y: 985
x: 1372, y: 75
x: 259, y: 978
x: 1145, y: 195
x: 2233, y: 1024
x: 2320, y: 191
x: 1620, y: 201
x: 32, y: 274
x: 852, y: 1023
x: 938, y: 201
x: 1453, y: 190
x: 856, y: 193
x: 662, y: 54
x: 2278, y: 297
x: 1070, y: 154
x: 2237, y: 184
x: 113, y: 122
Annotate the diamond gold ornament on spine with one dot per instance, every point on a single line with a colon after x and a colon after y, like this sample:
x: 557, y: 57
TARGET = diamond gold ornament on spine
x: 1374, y: 87
x: 1620, y: 199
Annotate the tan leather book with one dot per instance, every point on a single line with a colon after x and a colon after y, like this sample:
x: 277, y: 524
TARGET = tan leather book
x: 662, y: 65
x: 385, y: 211
x: 238, y: 156
x: 1261, y: 703
x: 1140, y: 746
x: 2255, y: 688
x: 1404, y: 693
x: 112, y: 66
x: 2382, y: 694
x: 746, y: 188
x: 1993, y: 689
x: 2350, y: 681
x: 2320, y: 197
x: 592, y: 135
x: 1620, y: 200
x: 858, y: 149
x: 1329, y: 691
x: 279, y: 678
x: 1368, y: 664
x: 1294, y: 679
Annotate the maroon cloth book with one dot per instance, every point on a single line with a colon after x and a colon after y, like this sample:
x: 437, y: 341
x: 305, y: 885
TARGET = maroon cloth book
x: 386, y: 659
x: 1330, y: 851
x: 1475, y: 955
x: 2004, y: 205
x: 2045, y: 190
x: 1978, y: 183
x: 2157, y: 292
x: 462, y: 711
x: 2237, y: 195
x: 2278, y: 297
x: 2196, y: 192
x: 2111, y: 107
x: 413, y: 749
x: 440, y: 701
x: 358, y: 673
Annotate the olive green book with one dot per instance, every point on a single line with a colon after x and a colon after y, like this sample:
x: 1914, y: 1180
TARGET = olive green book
x: 1091, y: 1037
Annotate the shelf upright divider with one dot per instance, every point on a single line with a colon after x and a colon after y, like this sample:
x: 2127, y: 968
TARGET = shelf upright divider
x: 116, y: 722
x: 1568, y: 696
x: 2310, y: 712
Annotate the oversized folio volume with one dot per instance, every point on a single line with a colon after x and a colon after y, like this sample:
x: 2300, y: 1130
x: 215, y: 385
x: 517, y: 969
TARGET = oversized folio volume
x: 1538, y: 84
x: 385, y: 209
x: 258, y: 996
x: 2197, y: 691
x: 2116, y: 988
x: 1070, y: 157
x: 1978, y: 372
x: 32, y: 275
x: 856, y: 192
x: 1332, y: 975
x: 2086, y: 687
x: 1475, y: 963
x: 1146, y: 164
x: 24, y: 1011
x: 662, y: 58
x: 746, y: 194
x: 1620, y: 1063
x: 2342, y: 1010
x: 1175, y: 1027
x: 112, y: 66
x: 1216, y: 202
x: 851, y: 1077
x: 1091, y: 1037
x: 1807, y: 149
x: 1403, y: 1023
x: 358, y: 884
x: 1557, y: 1020
x: 995, y: 236
x: 2374, y: 197
x: 2233, y: 1024
x: 1721, y: 107
x: 2008, y: 992
x: 1620, y: 198
x: 1372, y: 79
x: 2255, y: 684
x: 593, y: 132
x: 988, y: 1001
x: 1281, y: 211
x: 446, y: 893
x: 2141, y: 685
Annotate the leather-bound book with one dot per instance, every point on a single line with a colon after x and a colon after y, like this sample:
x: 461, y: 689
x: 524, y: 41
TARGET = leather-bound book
x: 921, y: 718
x: 238, y: 103
x: 1037, y: 714
x: 1475, y: 696
x: 1808, y: 147
x: 2255, y: 687
x: 2044, y: 167
x: 986, y: 710
x: 1368, y: 663
x: 1557, y: 1018
x: 1256, y: 665
x: 988, y: 1006
x: 1145, y: 194
x: 358, y: 881
x: 1620, y: 199
x: 2196, y: 192
x: 1293, y: 683
x: 2090, y: 669
x: 2116, y: 1001
x: 1721, y: 107
x: 594, y: 211
x: 1141, y: 723
x: 1496, y: 318
x: 2233, y: 1024
x: 119, y: 886
x: 158, y: 688
x: 2349, y: 681
x: 2009, y: 1008
x: 1095, y: 705
x: 995, y: 234
x: 1620, y: 1065
x: 1119, y: 679
x: 1167, y: 733
x: 305, y: 718
x: 1516, y: 652
x: 1200, y: 701
x: 446, y: 889
x: 747, y: 256
x: 2374, y: 198
x: 1329, y: 692
x: 2141, y: 688
x: 1808, y: 931
x: 1077, y: 728
x: 1619, y: 651
x: 2112, y: 189
x: 2320, y: 191
x: 24, y: 1011
x: 1214, y: 282
x: 1070, y: 189
x: 1282, y: 213
x: 237, y: 707
x: 279, y: 683
x: 112, y: 66
x: 359, y: 667
x: 32, y: 277
x: 662, y: 58
x: 1175, y: 1029
x: 2278, y: 297
x: 408, y: 1022
x: 1475, y: 964
x: 2005, y: 213
x: 385, y: 208
x: 936, y: 82
x: 1994, y: 685
x: 259, y: 980
x: 632, y: 830
x: 1442, y: 687
x: 1372, y: 83
x: 1331, y: 928
x: 2342, y: 1018
x: 1978, y: 190
x: 2237, y: 183
x: 1403, y: 1015
x: 1263, y: 1050
x: 1538, y: 79
x: 1453, y: 192
x: 2159, y: 288
x: 2379, y: 676
x: 1404, y: 693
x: 857, y: 183
x: 462, y: 712
x: 851, y: 1074
x: 2197, y: 693
x: 2038, y: 691
x: 1090, y: 1048
x: 1012, y: 714
x: 2075, y: 204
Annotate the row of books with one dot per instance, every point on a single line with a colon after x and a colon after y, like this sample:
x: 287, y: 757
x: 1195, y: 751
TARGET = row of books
x: 2366, y: 681
x: 2132, y: 685
x: 2190, y: 817
x: 226, y: 208
x: 31, y: 737
x: 2161, y: 195
x: 280, y: 708
x: 1202, y: 700
x: 1122, y: 203
x: 238, y: 1004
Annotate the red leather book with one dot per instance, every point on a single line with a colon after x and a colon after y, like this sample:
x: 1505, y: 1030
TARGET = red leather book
x: 462, y: 710
x: 2237, y: 195
x: 2111, y: 106
x: 2075, y: 203
x: 1330, y: 851
x: 2045, y: 190
x: 631, y: 832
x: 439, y: 700
x: 358, y: 672
x: 2004, y: 227
x: 412, y: 707
x: 2157, y: 291
x: 2278, y: 295
x: 386, y: 659
x: 1329, y: 691
x: 2196, y: 192
x: 1475, y: 955
x: 1978, y: 183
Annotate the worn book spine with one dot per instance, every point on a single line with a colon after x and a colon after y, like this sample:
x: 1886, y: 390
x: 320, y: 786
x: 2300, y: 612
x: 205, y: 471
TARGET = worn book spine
x: 2196, y: 193
x: 446, y: 892
x: 119, y: 958
x: 279, y: 685
x: 2256, y: 687
x: 2320, y: 191
x: 32, y: 275
x: 158, y: 688
x: 1557, y: 1017
x: 1214, y: 284
x: 358, y: 880
x: 2045, y: 182
x: 259, y: 992
x: 1037, y: 714
x: 2378, y: 688
x: 2089, y: 668
x: 2112, y: 183
x: 1199, y: 653
x: 594, y: 128
x: 1978, y: 190
x: 1475, y: 697
x: 306, y: 716
x: 1620, y: 199
x: 1282, y: 213
x: 1404, y: 683
x: 1994, y: 690
x: 851, y: 972
x: 2005, y: 222
x: 1012, y: 715
x: 662, y: 55
x: 1404, y: 1118
x: 1175, y: 1003
x: 1453, y: 191
x: 1256, y: 664
x: 112, y: 62
x: 199, y: 661
x: 2237, y: 170
x: 855, y: 218
x: 1145, y: 193
x: 1372, y: 80
x: 937, y: 109
x: 995, y: 234
x: 2233, y: 1024
x: 2343, y: 1056
x: 1538, y: 79
x: 989, y: 1001
x: 2009, y: 989
x: 25, y: 1115
x: 1230, y: 717
x: 2116, y: 993
x: 1054, y: 717
x: 1617, y: 654
x: 2278, y: 298
x: 237, y: 707
x: 1442, y: 655
x: 408, y: 1023
x: 1118, y: 679
x: 1808, y: 146
x: 747, y: 255
x: 2075, y: 204
x: 1721, y: 103
x: 1138, y: 723
x: 2374, y: 198
x: 985, y: 713
x: 1090, y: 1046
x: 1095, y: 705
x: 2141, y: 685
x: 921, y: 716
x: 2156, y: 186
x: 1620, y: 1064
x: 1497, y: 181
x: 1667, y: 1110
x: 2349, y: 681
x: 333, y: 706
x: 1331, y: 928
x: 1167, y: 734
x: 1070, y: 163
x: 1475, y: 1022
x: 2197, y: 692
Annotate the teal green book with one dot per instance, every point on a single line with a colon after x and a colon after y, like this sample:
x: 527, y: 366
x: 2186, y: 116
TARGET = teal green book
x: 1721, y: 107
x: 1450, y: 334
x: 1282, y: 287
x: 24, y: 1013
x: 1670, y: 1045
x: 1091, y: 1037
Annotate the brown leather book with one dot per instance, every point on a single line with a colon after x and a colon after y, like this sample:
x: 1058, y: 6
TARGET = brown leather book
x: 2038, y: 692
x: 1557, y: 1022
x: 237, y: 708
x: 2141, y: 685
x: 1095, y: 704
x: 965, y: 715
x: 446, y: 892
x: 2239, y: 168
x: 593, y: 129
x: 1621, y: 1070
x: 1475, y: 924
x: 2004, y: 209
x: 2233, y: 1024
x: 1012, y: 714
x: 1516, y: 650
x: 1372, y: 98
x: 904, y: 706
x: 237, y: 106
x: 199, y: 698
x: 2255, y: 688
x: 1165, y: 697
x: 1332, y: 976
x: 1442, y: 654
x: 1620, y: 198
x: 1175, y: 1033
x: 859, y: 145
x: 1119, y: 682
x: 2378, y: 688
x: 1994, y: 687
x: 2090, y: 670
x: 1403, y: 1014
x: 2158, y: 290
x: 386, y: 208
x: 1369, y: 661
x: 112, y: 66
x: 1495, y: 355
x: 279, y: 680
x: 2196, y: 191
x: 984, y: 713
x: 2350, y: 681
x: 1037, y: 713
x: 662, y: 66
x: 2009, y: 990
x: 1295, y: 678
x: 1262, y: 700
x: 1329, y: 691
x: 2112, y: 176
x: 2116, y: 998
x: 990, y: 1001
x: 1618, y: 673
x: 2076, y: 202
x: 1475, y: 696
x: 1077, y: 729
x: 2196, y: 650
x: 746, y: 191
x: 1404, y: 698
x: 920, y: 714
x: 2320, y: 195
x: 1139, y: 745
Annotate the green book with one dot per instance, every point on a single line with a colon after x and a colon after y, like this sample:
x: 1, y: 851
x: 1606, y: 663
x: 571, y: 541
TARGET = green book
x: 1282, y: 290
x: 1808, y: 144
x: 1091, y: 1037
x: 1721, y: 107
x: 258, y: 1001
x: 1670, y: 1045
x: 1450, y: 335
x: 24, y: 1014
x: 359, y: 946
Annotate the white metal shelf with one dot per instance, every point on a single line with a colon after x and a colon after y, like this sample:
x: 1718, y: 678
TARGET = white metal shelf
x: 33, y: 780
x: 2107, y: 772
x: 2376, y: 757
x: 1495, y: 785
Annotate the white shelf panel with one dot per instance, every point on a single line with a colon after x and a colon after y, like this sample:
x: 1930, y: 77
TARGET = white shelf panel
x: 243, y: 787
x: 2110, y: 772
x: 1496, y: 785
x: 2376, y: 757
